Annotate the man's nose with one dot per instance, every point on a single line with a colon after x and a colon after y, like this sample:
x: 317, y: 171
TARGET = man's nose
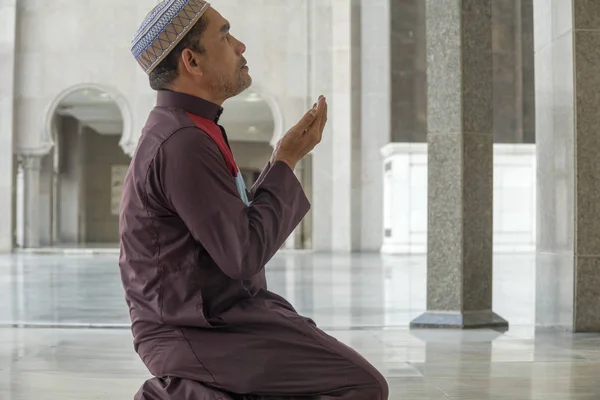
x: 242, y: 48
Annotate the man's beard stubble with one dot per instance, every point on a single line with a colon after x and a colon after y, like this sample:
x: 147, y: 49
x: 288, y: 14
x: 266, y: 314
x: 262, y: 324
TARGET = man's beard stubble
x: 232, y: 85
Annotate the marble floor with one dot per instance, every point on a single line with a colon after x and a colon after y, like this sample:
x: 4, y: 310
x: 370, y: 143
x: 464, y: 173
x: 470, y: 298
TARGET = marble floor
x: 63, y: 329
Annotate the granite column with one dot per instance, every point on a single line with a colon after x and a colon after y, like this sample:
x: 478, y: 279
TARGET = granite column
x: 460, y: 166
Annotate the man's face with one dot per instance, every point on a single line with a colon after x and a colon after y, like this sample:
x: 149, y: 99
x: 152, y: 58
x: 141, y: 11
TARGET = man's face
x: 224, y: 67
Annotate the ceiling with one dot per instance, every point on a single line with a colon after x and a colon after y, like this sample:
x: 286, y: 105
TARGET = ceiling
x: 247, y: 117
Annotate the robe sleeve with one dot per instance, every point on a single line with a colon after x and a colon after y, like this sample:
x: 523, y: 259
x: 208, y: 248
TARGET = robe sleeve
x: 240, y: 239
x: 259, y: 181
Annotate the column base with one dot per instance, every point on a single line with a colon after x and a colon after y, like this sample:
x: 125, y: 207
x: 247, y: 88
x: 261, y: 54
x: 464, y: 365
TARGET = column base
x: 459, y: 320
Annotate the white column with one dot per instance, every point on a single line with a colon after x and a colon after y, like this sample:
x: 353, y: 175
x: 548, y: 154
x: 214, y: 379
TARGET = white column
x: 321, y: 71
x: 335, y: 72
x: 376, y: 116
x: 345, y: 211
x: 31, y: 189
x: 7, y: 71
x: 567, y: 83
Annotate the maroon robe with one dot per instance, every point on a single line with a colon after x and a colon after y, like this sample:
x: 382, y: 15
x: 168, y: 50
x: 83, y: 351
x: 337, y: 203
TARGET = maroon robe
x: 192, y: 264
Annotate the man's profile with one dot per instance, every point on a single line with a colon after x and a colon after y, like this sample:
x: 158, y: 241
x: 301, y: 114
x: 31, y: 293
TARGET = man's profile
x: 195, y: 241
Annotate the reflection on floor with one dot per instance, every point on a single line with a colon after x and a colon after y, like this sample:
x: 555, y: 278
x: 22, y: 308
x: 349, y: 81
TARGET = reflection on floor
x: 337, y: 291
x: 364, y: 300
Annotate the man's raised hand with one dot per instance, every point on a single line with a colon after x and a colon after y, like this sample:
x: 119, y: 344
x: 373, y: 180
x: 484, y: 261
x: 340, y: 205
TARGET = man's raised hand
x: 302, y: 138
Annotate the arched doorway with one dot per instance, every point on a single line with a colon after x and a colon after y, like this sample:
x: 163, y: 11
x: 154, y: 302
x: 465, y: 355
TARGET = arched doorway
x: 83, y: 174
x: 254, y: 124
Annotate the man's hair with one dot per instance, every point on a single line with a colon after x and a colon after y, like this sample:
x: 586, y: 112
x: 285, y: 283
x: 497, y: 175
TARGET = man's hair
x: 166, y: 72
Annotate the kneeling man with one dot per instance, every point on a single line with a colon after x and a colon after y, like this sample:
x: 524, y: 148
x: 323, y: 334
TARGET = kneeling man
x: 195, y: 242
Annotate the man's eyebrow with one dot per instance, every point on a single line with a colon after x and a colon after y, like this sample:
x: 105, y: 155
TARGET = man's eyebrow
x: 225, y: 28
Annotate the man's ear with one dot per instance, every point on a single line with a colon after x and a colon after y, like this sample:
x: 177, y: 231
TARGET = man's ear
x: 190, y: 62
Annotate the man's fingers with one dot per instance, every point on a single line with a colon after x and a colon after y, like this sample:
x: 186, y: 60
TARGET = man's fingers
x: 320, y: 104
x: 323, y: 118
x: 310, y: 117
x: 321, y: 110
x: 306, y: 121
x: 321, y: 121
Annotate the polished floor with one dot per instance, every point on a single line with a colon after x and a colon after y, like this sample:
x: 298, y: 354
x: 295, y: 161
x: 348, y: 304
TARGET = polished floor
x: 71, y: 339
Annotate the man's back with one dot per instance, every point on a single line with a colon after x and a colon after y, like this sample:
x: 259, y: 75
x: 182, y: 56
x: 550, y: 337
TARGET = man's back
x: 169, y: 277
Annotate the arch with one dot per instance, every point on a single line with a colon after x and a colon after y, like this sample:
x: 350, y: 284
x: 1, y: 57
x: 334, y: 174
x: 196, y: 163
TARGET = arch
x: 127, y: 142
x: 278, y: 119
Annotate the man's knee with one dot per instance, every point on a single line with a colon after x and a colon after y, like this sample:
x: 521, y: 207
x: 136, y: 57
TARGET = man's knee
x: 380, y: 389
x: 374, y: 391
x: 384, y: 389
x: 370, y: 385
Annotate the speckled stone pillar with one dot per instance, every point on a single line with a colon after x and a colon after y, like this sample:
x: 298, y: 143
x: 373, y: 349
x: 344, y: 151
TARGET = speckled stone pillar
x: 460, y: 188
x: 567, y: 81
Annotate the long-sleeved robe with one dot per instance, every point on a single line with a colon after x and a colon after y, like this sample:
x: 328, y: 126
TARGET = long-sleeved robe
x: 194, y: 244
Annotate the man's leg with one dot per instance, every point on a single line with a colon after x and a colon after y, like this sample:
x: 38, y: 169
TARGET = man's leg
x: 269, y: 350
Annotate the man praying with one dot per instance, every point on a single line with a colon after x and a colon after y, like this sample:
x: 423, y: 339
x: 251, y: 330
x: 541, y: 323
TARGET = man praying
x: 195, y: 241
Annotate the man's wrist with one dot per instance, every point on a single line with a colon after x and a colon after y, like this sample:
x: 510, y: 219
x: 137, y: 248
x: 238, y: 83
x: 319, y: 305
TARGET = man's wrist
x: 291, y: 164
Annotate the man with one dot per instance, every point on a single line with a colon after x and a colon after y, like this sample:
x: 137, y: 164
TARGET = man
x: 194, y: 242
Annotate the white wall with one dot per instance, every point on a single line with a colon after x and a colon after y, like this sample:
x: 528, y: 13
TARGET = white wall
x: 76, y: 42
x: 293, y: 52
x: 76, y: 47
x: 405, y: 198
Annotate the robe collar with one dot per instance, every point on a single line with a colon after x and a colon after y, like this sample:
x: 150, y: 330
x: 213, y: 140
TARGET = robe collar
x: 191, y: 104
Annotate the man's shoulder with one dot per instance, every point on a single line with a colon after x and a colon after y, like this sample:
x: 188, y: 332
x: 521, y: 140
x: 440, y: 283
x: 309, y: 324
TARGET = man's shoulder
x: 164, y: 122
x: 171, y: 131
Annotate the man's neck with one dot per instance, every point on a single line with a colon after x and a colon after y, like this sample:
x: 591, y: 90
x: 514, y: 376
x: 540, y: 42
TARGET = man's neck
x: 197, y: 92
